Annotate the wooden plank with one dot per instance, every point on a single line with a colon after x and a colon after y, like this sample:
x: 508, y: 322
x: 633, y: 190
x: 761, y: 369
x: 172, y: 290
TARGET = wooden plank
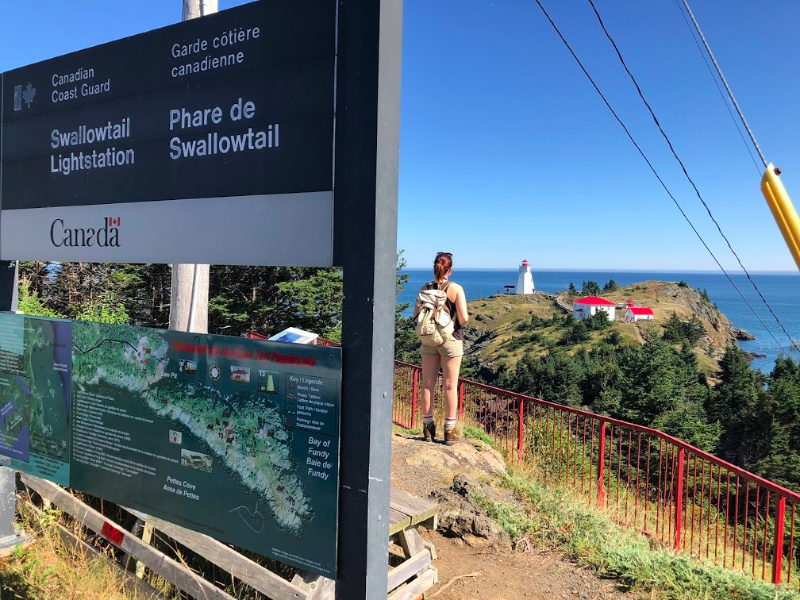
x: 325, y: 591
x: 416, y: 588
x: 431, y: 548
x: 398, y: 521
x: 172, y: 571
x: 417, y: 509
x: 242, y: 568
x: 318, y: 587
x: 413, y: 566
x: 410, y: 541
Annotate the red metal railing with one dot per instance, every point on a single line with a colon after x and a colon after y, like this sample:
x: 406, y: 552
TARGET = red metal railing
x: 686, y: 498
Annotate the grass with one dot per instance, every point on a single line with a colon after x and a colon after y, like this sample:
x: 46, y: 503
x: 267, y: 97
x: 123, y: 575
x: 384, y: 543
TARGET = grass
x: 47, y: 570
x: 557, y: 520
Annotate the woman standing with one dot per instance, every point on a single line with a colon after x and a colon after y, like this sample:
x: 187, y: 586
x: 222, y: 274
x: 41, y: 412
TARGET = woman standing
x: 447, y: 356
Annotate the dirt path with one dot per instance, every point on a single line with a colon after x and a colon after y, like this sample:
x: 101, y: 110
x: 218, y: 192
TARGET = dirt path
x: 468, y: 543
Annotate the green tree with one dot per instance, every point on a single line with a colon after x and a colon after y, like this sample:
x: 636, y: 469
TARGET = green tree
x: 406, y: 343
x: 554, y: 377
x: 598, y: 321
x: 676, y: 330
x: 782, y: 461
x: 571, y: 290
x: 104, y: 309
x: 651, y: 384
x: 741, y: 405
x: 576, y: 333
x: 590, y: 288
x: 611, y: 286
x: 29, y: 302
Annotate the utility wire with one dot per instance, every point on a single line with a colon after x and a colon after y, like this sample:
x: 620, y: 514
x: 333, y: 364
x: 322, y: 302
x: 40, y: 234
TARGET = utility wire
x: 716, y: 84
x: 725, y: 83
x: 649, y: 164
x: 686, y: 173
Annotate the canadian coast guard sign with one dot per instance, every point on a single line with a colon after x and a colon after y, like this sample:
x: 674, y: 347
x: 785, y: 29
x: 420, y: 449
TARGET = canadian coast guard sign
x: 207, y: 141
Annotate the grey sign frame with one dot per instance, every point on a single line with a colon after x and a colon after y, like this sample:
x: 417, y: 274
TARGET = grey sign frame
x: 365, y: 244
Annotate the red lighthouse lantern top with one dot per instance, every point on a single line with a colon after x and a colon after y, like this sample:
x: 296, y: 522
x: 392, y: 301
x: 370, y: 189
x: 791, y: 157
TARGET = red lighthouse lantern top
x: 525, y: 262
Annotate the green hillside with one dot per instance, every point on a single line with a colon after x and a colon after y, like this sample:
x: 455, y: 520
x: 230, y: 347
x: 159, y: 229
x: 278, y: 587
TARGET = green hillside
x: 504, y: 328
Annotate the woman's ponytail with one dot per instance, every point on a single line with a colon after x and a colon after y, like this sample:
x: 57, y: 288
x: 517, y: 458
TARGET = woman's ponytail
x: 442, y: 265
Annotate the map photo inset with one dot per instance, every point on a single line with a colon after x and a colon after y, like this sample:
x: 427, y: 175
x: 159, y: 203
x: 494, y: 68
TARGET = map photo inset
x: 35, y: 365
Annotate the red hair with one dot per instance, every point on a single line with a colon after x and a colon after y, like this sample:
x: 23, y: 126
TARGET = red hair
x: 441, y: 265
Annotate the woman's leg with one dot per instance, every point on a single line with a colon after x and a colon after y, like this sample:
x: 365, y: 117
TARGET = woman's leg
x: 430, y: 374
x: 450, y: 370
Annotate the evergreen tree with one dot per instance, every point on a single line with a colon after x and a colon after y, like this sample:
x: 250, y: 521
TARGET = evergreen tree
x: 611, y: 286
x: 741, y: 406
x: 590, y: 288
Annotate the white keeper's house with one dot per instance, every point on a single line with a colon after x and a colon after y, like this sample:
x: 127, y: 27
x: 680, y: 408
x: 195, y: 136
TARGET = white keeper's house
x: 583, y: 308
x: 638, y: 313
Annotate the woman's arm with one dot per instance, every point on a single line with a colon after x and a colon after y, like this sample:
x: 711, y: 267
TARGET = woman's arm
x: 461, y: 306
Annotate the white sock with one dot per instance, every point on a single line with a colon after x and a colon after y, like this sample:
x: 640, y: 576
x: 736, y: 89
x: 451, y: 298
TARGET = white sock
x: 450, y: 423
x: 427, y: 419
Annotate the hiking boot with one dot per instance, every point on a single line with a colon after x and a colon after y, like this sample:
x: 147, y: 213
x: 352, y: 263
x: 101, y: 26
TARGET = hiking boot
x: 429, y: 431
x: 451, y: 437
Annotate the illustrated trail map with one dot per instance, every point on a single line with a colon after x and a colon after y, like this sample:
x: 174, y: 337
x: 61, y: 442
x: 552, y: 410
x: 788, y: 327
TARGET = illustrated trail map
x: 232, y: 437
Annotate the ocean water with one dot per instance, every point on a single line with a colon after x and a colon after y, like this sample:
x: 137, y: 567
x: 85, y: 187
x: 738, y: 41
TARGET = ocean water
x: 781, y: 291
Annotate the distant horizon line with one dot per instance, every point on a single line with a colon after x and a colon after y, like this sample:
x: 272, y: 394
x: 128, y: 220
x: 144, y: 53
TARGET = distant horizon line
x: 574, y: 270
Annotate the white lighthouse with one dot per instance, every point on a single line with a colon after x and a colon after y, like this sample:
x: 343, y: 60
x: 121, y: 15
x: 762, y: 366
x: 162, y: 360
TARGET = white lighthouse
x: 524, y: 280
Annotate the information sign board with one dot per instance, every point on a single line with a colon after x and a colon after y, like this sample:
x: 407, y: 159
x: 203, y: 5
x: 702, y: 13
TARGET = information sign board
x: 232, y: 437
x: 206, y: 141
x: 35, y: 370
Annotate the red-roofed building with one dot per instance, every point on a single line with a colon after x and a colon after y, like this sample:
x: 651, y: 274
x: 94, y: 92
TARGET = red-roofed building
x: 638, y: 313
x: 583, y: 308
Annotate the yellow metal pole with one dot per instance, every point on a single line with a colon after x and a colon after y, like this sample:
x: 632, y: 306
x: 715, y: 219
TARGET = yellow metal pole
x: 782, y: 210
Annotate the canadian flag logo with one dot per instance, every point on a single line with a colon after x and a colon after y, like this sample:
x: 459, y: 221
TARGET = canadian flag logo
x: 113, y: 221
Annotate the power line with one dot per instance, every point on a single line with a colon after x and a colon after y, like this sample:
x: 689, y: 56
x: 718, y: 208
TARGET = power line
x: 725, y: 83
x: 650, y: 165
x: 686, y: 173
x: 716, y: 84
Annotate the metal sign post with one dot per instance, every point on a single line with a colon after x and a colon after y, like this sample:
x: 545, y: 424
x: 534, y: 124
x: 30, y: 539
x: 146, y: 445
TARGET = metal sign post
x: 367, y: 138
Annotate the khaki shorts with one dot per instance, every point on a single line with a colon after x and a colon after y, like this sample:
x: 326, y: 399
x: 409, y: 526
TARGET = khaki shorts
x: 451, y: 349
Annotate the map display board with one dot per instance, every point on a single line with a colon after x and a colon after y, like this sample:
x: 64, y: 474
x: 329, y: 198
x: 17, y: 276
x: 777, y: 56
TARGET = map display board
x: 235, y: 438
x: 220, y: 128
x: 35, y: 365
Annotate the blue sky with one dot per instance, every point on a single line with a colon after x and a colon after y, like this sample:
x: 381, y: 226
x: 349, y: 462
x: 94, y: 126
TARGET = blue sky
x: 507, y: 152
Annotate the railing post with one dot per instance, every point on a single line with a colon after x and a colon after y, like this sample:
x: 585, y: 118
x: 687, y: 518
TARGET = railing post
x: 461, y: 400
x: 601, y: 493
x: 414, y: 396
x: 679, y: 500
x: 520, y: 435
x: 777, y: 553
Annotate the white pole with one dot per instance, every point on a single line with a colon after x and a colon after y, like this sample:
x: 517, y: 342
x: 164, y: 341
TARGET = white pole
x: 190, y: 282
